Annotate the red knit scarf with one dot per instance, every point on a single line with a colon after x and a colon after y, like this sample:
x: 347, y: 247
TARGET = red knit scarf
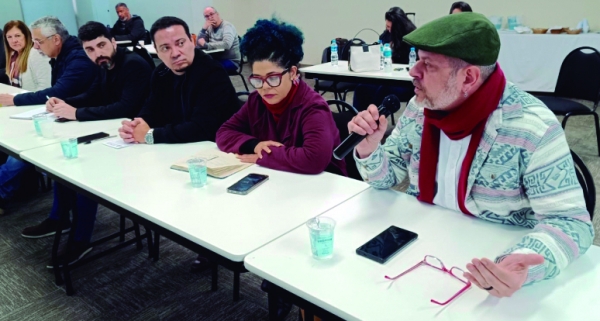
x: 467, y: 119
x: 278, y: 108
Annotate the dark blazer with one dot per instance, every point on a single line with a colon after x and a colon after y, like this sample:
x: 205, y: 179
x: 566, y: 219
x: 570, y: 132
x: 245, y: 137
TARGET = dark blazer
x: 116, y: 93
x: 203, y: 100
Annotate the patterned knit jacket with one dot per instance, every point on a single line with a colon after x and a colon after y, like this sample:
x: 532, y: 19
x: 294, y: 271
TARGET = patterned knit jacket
x: 522, y: 174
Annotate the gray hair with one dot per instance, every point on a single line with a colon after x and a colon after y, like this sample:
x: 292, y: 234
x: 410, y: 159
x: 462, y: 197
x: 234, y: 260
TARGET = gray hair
x: 215, y: 10
x: 458, y: 64
x: 121, y: 4
x: 49, y: 26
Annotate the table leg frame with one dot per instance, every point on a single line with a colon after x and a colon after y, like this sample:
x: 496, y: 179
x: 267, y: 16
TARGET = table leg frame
x: 153, y: 245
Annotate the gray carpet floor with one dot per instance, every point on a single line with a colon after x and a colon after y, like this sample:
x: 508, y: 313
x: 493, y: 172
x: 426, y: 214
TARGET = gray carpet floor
x: 126, y: 285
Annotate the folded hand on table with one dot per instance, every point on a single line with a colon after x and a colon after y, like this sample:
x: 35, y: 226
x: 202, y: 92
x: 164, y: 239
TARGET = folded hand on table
x: 126, y: 131
x: 504, y: 278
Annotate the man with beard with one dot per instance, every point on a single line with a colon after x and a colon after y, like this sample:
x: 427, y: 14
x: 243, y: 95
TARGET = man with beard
x: 191, y: 95
x: 118, y: 92
x: 473, y: 142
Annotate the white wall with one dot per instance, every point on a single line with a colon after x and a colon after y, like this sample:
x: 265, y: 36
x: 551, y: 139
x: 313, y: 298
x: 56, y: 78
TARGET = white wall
x: 10, y: 10
x: 323, y: 20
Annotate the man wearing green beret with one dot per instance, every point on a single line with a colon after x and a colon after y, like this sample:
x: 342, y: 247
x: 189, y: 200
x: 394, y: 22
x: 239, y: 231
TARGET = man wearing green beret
x: 473, y: 142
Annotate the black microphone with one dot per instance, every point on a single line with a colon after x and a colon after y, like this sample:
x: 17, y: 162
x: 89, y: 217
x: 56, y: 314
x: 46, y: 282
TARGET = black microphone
x: 390, y: 105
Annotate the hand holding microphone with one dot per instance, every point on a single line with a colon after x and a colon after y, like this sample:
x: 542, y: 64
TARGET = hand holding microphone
x: 367, y: 129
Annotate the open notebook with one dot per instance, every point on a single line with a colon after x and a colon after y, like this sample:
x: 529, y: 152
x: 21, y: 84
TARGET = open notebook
x: 219, y: 164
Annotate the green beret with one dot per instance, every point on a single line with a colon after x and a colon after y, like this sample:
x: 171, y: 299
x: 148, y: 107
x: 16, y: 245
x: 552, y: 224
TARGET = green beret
x: 468, y: 36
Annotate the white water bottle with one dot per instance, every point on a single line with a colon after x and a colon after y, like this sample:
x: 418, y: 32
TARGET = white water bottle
x: 412, y: 58
x: 334, y: 53
x: 380, y: 55
x: 387, y: 58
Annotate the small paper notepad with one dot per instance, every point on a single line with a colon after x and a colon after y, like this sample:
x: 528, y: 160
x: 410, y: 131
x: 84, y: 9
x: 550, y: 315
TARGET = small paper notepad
x: 117, y: 143
x: 219, y: 164
x: 29, y: 114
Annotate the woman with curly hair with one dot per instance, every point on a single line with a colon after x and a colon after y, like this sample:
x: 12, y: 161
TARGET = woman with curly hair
x: 285, y: 124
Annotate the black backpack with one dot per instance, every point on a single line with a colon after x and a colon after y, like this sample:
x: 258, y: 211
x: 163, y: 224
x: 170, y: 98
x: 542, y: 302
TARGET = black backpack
x: 140, y: 50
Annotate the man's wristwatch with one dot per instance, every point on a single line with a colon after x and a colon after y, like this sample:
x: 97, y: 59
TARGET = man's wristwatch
x: 149, y: 137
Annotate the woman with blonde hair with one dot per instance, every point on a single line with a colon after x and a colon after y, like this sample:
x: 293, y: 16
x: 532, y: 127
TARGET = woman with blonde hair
x: 26, y: 68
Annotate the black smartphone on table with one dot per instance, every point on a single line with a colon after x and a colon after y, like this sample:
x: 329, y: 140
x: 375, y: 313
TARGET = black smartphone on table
x: 89, y: 138
x: 387, y: 244
x: 247, y: 184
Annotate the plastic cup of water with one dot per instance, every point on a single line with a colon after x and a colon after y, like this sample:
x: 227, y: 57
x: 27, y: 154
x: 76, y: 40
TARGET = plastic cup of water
x: 47, y: 127
x: 69, y: 148
x: 320, y: 230
x: 37, y: 119
x: 198, y: 171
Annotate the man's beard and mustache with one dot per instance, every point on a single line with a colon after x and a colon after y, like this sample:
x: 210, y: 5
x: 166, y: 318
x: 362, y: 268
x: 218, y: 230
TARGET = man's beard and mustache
x: 448, y: 95
x: 106, y: 63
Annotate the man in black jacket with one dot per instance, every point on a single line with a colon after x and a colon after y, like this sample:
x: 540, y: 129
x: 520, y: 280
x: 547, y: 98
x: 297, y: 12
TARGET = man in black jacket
x: 128, y: 27
x: 191, y: 95
x: 120, y: 89
x: 118, y: 92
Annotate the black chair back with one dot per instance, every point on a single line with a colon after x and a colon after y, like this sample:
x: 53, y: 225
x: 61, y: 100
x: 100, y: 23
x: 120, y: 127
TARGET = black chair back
x: 138, y: 49
x: 240, y: 96
x: 341, y: 120
x: 586, y: 180
x: 579, y: 75
x: 326, y: 57
x: 147, y: 39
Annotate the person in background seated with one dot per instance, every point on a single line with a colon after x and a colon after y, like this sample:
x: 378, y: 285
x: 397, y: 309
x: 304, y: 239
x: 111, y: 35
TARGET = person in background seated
x: 118, y: 92
x: 220, y: 34
x: 397, y: 25
x: 128, y: 27
x: 191, y: 95
x: 285, y: 124
x: 459, y: 7
x: 72, y: 72
x: 27, y: 69
x: 473, y: 142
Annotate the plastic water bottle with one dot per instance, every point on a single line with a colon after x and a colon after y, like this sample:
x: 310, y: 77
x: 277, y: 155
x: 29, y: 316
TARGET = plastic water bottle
x: 334, y: 53
x: 380, y: 55
x: 412, y: 58
x: 387, y: 58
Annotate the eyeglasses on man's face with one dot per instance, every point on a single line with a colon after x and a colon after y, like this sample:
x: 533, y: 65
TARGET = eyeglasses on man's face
x: 273, y: 80
x: 437, y: 264
x: 41, y: 42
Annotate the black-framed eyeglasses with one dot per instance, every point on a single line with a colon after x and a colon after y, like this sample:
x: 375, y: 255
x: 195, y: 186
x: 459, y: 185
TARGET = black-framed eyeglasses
x: 273, y: 80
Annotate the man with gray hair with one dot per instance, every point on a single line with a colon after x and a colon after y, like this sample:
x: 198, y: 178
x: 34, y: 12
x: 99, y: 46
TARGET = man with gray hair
x: 220, y: 34
x: 472, y: 142
x: 72, y: 71
x: 128, y: 27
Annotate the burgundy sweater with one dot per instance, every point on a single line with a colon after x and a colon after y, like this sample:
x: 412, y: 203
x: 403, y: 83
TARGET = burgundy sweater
x: 306, y: 130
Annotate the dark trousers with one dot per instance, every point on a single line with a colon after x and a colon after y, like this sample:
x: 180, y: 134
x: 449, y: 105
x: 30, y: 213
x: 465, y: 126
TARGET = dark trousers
x: 86, y: 211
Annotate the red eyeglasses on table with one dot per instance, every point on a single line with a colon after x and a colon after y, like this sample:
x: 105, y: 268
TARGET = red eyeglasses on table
x: 437, y: 264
